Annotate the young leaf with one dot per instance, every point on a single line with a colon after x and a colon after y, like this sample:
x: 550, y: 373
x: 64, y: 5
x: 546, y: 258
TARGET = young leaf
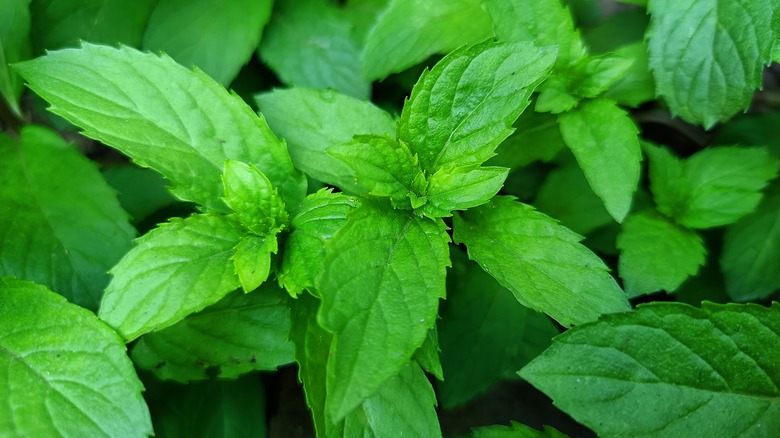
x: 164, y: 116
x: 312, y: 121
x: 320, y: 216
x: 707, y: 56
x: 606, y: 144
x: 64, y: 372
x: 751, y: 250
x: 384, y: 275
x: 462, y: 188
x: 176, y: 269
x: 657, y: 254
x: 409, y: 31
x: 541, y: 262
x: 714, y: 187
x: 253, y: 198
x: 61, y: 223
x: 514, y: 430
x: 668, y: 369
x: 252, y: 260
x: 14, y: 47
x: 309, y: 43
x: 219, y: 38
x: 592, y: 76
x: 240, y: 333
x: 464, y: 107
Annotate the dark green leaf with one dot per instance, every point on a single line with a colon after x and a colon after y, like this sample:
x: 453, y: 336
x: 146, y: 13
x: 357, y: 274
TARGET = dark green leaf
x: 141, y: 191
x: 515, y: 430
x: 14, y: 47
x: 427, y: 356
x: 536, y: 138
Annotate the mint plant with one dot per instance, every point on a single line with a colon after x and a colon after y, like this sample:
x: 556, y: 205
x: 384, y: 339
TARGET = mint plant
x: 505, y: 207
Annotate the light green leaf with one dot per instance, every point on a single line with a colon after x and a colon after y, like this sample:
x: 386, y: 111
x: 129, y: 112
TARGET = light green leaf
x: 542, y: 263
x: 218, y: 37
x: 657, y: 254
x: 409, y: 31
x: 309, y: 43
x: 669, y: 369
x: 714, y: 187
x: 176, y: 269
x: 547, y: 22
x: 536, y: 138
x: 427, y: 356
x: 751, y: 250
x: 321, y: 215
x: 592, y: 76
x: 465, y: 106
x: 238, y: 334
x: 252, y: 260
x: 555, y: 96
x: 707, y: 56
x: 253, y: 198
x: 384, y: 275
x: 481, y: 319
x: 61, y: 223
x: 514, y: 430
x: 605, y: 142
x: 15, y: 46
x: 312, y: 121
x: 141, y: 192
x: 636, y: 85
x: 64, y: 372
x: 462, y: 188
x: 164, y: 116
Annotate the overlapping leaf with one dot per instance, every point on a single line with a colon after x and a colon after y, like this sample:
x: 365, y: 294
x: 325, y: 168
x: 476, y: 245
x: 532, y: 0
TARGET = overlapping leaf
x: 14, y: 46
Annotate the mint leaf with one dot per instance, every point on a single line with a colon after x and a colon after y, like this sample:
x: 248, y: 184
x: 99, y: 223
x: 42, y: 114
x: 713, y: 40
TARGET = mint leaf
x: 541, y: 262
x: 252, y: 260
x: 427, y: 356
x: 481, y: 319
x: 384, y: 275
x: 462, y: 188
x: 713, y: 187
x: 514, y: 430
x: 61, y: 224
x: 751, y: 249
x: 592, y: 76
x: 636, y: 85
x: 536, y: 138
x: 15, y: 46
x: 409, y: 31
x: 176, y: 269
x: 65, y: 372
x: 141, y: 192
x: 178, y: 122
x: 605, y: 142
x: 464, y: 107
x: 238, y: 334
x: 555, y: 96
x: 707, y: 56
x: 320, y: 216
x: 657, y: 254
x: 253, y: 198
x: 309, y: 43
x: 312, y: 121
x: 672, y: 369
x: 217, y: 37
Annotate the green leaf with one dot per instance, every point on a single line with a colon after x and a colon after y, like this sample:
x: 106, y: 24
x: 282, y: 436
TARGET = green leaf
x: 312, y: 121
x: 238, y: 334
x: 176, y: 269
x: 605, y: 142
x: 141, y: 192
x: 714, y: 187
x: 61, y: 223
x: 657, y: 254
x: 15, y: 46
x: 668, y: 369
x: 707, y: 56
x: 178, y: 122
x: 751, y: 249
x: 309, y: 43
x: 384, y: 275
x: 592, y: 76
x: 536, y: 138
x: 514, y: 430
x: 252, y: 260
x: 462, y: 188
x: 253, y: 198
x: 541, y: 262
x: 481, y: 319
x: 427, y: 356
x: 547, y: 22
x: 409, y: 31
x: 464, y: 107
x: 217, y: 37
x: 752, y: 130
x: 64, y: 372
x: 320, y: 216
x: 555, y: 96
x: 636, y: 85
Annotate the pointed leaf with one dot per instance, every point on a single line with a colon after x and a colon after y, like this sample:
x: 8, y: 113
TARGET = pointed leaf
x: 254, y: 199
x: 427, y: 356
x: 14, y: 47
x: 462, y: 188
x: 252, y: 260
x: 594, y: 75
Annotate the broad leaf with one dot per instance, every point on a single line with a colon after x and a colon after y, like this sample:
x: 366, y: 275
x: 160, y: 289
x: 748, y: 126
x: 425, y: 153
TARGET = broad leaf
x: 462, y: 188
x: 383, y: 277
x: 64, y: 372
x: 14, y: 47
x: 707, y: 56
x: 541, y: 262
x: 605, y: 142
x: 252, y: 260
x: 668, y: 369
x: 409, y: 31
x: 164, y: 116
x: 176, y: 269
x: 218, y: 37
x: 312, y: 121
x: 61, y: 223
x: 465, y: 106
x: 514, y: 430
x: 657, y: 254
x: 253, y: 198
x: 240, y: 333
